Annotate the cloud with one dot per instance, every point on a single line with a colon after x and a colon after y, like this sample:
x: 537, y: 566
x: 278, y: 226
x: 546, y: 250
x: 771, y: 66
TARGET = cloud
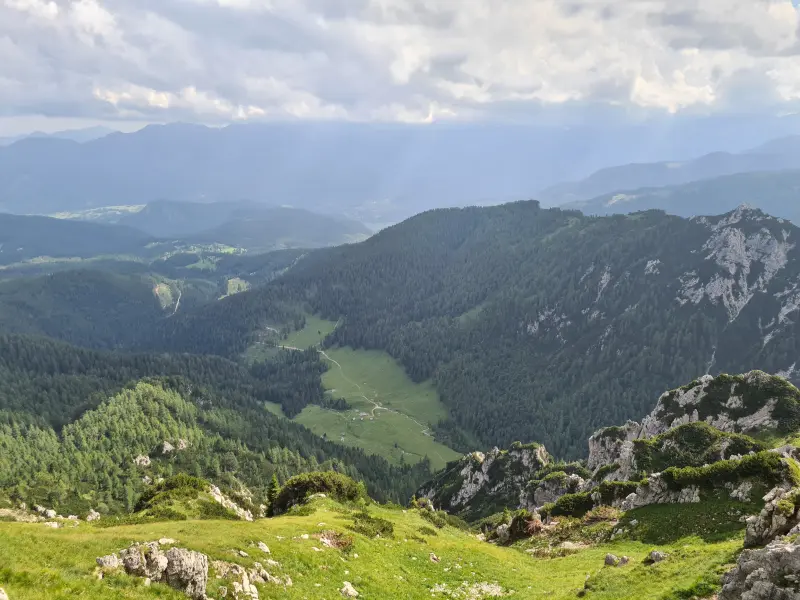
x: 395, y: 60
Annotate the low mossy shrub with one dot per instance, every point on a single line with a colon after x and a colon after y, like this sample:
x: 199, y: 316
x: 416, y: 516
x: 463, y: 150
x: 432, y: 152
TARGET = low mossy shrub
x: 569, y: 505
x: 335, y: 485
x: 425, y: 530
x: 209, y: 509
x: 691, y: 445
x: 611, y: 491
x: 765, y: 466
x: 178, y: 487
x: 435, y: 517
x: 604, y: 470
x: 370, y: 526
x: 558, y: 476
x: 615, y: 432
x: 573, y: 468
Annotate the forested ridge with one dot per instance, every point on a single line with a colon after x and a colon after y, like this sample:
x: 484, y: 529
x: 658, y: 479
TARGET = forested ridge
x: 539, y: 324
x: 72, y: 421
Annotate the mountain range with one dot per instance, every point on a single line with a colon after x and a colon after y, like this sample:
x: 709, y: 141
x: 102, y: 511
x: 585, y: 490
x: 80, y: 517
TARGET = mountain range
x: 76, y: 135
x: 374, y: 173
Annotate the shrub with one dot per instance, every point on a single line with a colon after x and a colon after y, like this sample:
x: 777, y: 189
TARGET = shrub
x: 425, y: 530
x: 214, y: 510
x: 437, y: 518
x: 602, y: 513
x: 604, y: 470
x: 616, y: 490
x: 572, y: 505
x: 766, y: 466
x: 174, y: 488
x: 336, y: 485
x: 371, y: 527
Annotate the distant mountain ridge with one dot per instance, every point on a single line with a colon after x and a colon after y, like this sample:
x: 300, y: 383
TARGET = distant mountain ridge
x: 775, y: 192
x: 374, y: 173
x: 776, y: 155
x: 76, y: 135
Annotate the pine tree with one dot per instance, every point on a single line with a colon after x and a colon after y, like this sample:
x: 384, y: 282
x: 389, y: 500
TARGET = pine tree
x: 272, y: 494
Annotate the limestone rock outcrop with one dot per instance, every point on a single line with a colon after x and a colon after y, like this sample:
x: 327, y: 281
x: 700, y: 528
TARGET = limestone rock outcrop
x: 180, y: 568
x: 770, y: 573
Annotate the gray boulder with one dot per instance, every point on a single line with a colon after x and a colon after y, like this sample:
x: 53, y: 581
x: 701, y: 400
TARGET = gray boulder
x: 773, y: 520
x: 771, y: 573
x: 611, y: 560
x: 110, y: 561
x: 188, y: 571
x: 181, y: 569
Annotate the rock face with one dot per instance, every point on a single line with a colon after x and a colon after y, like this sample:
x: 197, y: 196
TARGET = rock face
x: 614, y: 446
x: 656, y: 491
x: 776, y: 518
x: 472, y: 485
x: 142, y: 461
x: 554, y: 486
x: 742, y: 404
x: 746, y: 403
x: 181, y: 569
x: 771, y: 573
x: 222, y: 499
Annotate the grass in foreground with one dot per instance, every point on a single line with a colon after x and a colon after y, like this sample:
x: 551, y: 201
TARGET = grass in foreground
x: 38, y: 563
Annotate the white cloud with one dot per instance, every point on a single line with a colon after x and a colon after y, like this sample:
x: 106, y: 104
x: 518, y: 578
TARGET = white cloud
x: 404, y: 60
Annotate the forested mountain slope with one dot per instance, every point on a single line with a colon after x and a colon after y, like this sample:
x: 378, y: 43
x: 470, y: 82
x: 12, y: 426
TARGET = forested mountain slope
x: 73, y: 422
x: 540, y: 324
x: 27, y: 237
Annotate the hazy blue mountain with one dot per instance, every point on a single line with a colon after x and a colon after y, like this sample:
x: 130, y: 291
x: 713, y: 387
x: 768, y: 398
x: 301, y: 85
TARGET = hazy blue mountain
x: 774, y: 192
x: 375, y: 173
x: 76, y: 135
x: 775, y: 155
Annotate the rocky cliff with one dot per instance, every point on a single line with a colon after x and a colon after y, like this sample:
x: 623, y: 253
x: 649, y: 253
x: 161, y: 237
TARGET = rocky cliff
x: 693, y: 445
x: 480, y: 484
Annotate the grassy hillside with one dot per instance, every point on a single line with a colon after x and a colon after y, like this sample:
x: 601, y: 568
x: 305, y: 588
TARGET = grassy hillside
x: 39, y: 563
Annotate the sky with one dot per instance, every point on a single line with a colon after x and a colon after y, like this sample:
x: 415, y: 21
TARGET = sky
x: 123, y: 63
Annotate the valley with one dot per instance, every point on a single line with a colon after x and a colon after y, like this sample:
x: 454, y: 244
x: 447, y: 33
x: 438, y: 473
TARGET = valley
x: 388, y: 414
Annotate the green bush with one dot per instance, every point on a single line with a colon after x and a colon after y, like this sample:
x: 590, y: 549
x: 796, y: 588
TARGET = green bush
x: 616, y: 490
x: 425, y: 530
x: 371, y: 527
x: 173, y: 488
x: 604, y: 470
x: 335, y: 485
x: 690, y: 445
x: 437, y: 518
x: 570, y: 505
x: 214, y: 510
x: 765, y: 466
